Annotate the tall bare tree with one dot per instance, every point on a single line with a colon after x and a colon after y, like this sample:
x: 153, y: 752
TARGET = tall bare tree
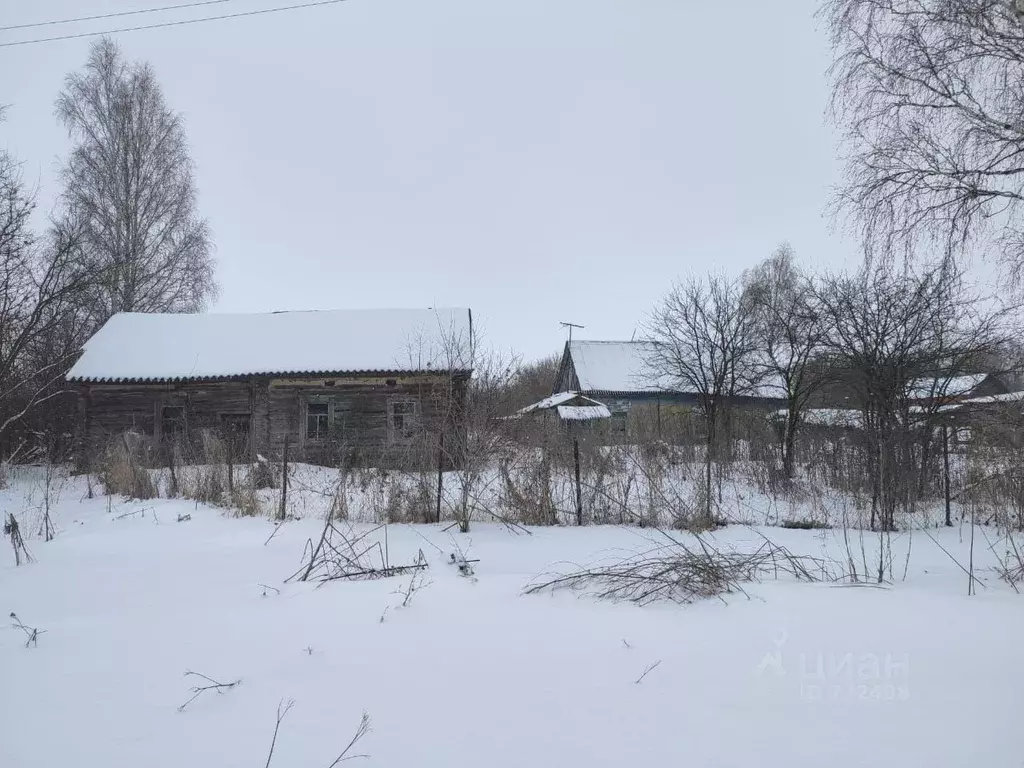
x: 789, y: 331
x: 930, y: 94
x: 129, y: 187
x: 41, y: 279
x: 703, y: 341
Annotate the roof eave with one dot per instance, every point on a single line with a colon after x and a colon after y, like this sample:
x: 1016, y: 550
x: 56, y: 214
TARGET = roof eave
x: 264, y: 375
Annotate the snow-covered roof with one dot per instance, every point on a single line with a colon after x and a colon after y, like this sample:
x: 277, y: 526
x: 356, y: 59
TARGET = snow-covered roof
x: 561, y: 400
x: 583, y: 412
x: 828, y: 417
x: 1005, y: 397
x: 938, y: 386
x: 169, y: 347
x: 613, y: 366
x: 553, y: 401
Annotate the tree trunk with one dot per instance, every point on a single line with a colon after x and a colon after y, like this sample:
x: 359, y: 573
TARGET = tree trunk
x: 789, y: 447
x: 708, y: 461
x: 282, y: 512
x: 440, y: 475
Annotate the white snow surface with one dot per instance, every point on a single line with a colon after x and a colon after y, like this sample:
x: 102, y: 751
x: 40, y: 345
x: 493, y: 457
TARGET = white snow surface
x: 553, y: 401
x: 474, y: 672
x: 828, y: 417
x: 160, y: 347
x: 588, y: 408
x: 1005, y: 397
x: 614, y: 366
x: 583, y: 412
x: 939, y: 387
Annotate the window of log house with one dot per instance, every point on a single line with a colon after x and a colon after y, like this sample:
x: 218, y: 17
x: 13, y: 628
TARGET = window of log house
x: 403, y: 420
x: 318, y: 421
x: 172, y: 420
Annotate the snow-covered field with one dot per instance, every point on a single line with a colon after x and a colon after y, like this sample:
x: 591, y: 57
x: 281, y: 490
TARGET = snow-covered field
x: 474, y: 672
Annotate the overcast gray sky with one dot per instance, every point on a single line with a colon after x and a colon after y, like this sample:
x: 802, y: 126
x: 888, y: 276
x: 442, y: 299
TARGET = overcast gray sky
x: 536, y: 160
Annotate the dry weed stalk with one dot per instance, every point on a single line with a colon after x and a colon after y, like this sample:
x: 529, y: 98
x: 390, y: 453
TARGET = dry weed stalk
x: 338, y: 555
x: 12, y: 529
x: 681, y: 573
x: 32, y: 633
x: 284, y: 707
x: 199, y: 690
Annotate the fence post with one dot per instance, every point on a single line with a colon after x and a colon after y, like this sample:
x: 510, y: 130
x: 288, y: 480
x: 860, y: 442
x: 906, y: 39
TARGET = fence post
x: 579, y: 487
x: 945, y: 471
x: 281, y: 513
x: 440, y: 475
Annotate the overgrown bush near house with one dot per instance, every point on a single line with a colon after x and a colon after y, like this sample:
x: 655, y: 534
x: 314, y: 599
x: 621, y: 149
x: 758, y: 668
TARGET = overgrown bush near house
x: 408, y: 500
x: 526, y: 489
x: 206, y: 481
x: 263, y: 475
x: 245, y: 498
x: 122, y: 468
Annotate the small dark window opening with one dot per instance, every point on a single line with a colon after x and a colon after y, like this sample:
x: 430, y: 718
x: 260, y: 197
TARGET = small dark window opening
x: 403, y: 419
x: 391, y: 382
x: 172, y: 420
x: 329, y: 383
x: 318, y: 421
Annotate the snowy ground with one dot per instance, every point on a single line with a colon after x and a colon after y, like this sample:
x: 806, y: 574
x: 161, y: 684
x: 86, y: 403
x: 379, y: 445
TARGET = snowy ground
x: 474, y: 673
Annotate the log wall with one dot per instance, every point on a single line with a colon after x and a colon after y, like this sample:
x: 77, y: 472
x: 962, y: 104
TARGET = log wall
x: 360, y: 415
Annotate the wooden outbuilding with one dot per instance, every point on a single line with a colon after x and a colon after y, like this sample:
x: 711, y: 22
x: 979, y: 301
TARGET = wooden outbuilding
x: 376, y: 387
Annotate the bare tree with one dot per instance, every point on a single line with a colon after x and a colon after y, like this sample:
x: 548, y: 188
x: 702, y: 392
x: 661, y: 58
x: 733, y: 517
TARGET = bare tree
x: 703, y: 342
x: 472, y: 410
x: 929, y: 94
x: 888, y: 331
x: 41, y: 281
x: 789, y: 329
x: 533, y: 381
x: 129, y: 186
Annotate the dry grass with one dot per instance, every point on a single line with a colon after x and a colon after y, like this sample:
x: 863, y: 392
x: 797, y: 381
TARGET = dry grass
x: 123, y: 471
x: 681, y: 572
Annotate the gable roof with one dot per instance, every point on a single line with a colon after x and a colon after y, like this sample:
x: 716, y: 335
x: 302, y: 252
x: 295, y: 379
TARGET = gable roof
x: 177, y: 347
x: 570, y: 406
x: 942, y: 386
x: 612, y: 366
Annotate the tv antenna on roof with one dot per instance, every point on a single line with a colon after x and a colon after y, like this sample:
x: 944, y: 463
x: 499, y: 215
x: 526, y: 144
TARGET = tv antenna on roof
x: 570, y: 326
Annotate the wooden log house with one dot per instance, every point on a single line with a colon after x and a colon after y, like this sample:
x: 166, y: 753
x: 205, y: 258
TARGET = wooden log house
x: 375, y: 387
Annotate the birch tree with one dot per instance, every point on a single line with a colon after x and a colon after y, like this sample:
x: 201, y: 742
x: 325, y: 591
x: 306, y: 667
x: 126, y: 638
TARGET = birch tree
x: 129, y: 188
x: 789, y: 331
x: 929, y: 96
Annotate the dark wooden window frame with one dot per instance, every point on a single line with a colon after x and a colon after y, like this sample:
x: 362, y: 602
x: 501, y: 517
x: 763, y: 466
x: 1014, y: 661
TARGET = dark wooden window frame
x: 171, y: 425
x: 318, y: 413
x: 403, y: 415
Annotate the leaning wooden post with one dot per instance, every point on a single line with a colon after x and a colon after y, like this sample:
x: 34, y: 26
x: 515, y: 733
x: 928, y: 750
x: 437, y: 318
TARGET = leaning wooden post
x: 579, y: 486
x: 945, y: 471
x: 231, y: 463
x: 281, y: 513
x: 440, y: 474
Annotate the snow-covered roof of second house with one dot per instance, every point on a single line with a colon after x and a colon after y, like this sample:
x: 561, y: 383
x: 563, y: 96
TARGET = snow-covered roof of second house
x: 169, y: 347
x: 614, y: 366
x: 945, y: 386
x: 583, y: 412
x: 557, y: 400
